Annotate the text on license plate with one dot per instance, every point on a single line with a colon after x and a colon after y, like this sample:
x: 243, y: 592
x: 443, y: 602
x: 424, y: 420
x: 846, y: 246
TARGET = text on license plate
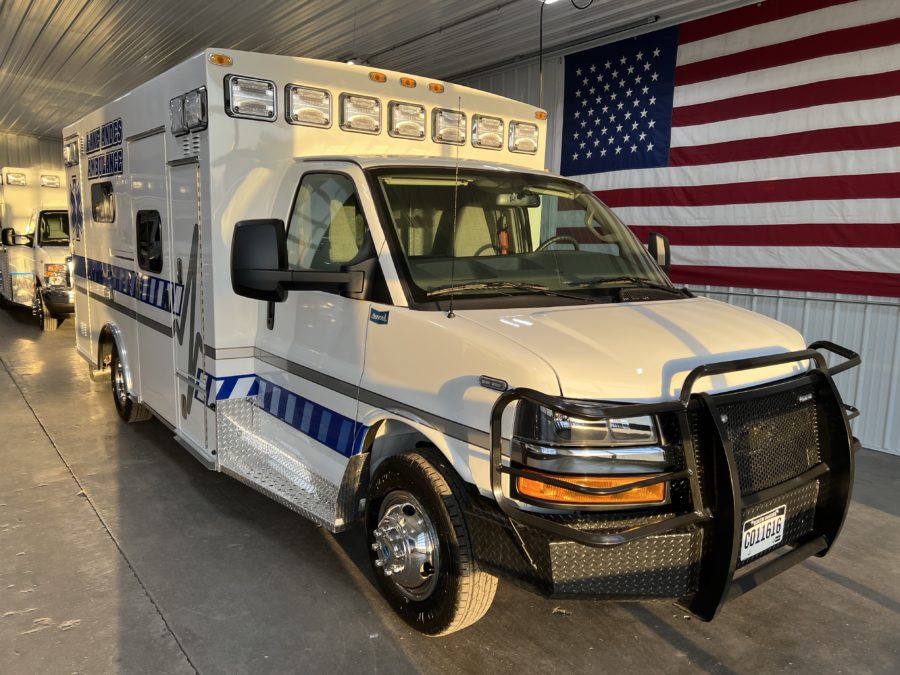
x: 762, y: 532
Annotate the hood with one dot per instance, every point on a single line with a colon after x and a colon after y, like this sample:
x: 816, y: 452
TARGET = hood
x: 642, y: 352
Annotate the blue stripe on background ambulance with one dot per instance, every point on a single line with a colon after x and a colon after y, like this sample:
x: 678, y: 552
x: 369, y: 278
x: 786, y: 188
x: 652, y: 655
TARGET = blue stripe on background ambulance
x: 148, y: 289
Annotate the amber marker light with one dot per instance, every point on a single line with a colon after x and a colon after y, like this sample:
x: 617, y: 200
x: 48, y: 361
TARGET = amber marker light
x: 540, y: 115
x: 220, y: 59
x: 650, y: 494
x: 375, y: 76
x: 436, y: 88
x: 408, y: 82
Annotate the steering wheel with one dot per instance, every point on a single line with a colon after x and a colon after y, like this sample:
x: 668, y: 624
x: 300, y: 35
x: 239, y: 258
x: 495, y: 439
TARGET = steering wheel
x: 557, y: 239
x: 484, y: 248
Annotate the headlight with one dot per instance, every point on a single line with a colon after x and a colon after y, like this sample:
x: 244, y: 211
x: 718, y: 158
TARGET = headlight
x: 607, y: 452
x: 55, y: 274
x: 540, y: 424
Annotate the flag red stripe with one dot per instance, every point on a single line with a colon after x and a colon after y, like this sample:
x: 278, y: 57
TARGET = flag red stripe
x: 863, y: 137
x: 726, y: 22
x: 844, y: 235
x: 840, y: 41
x: 856, y: 88
x: 825, y: 281
x: 865, y: 186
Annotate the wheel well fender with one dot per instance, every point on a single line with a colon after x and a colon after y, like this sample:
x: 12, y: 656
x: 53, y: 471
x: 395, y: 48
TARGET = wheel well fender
x: 111, y: 335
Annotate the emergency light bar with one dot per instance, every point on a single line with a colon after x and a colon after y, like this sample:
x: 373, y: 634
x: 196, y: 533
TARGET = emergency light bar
x: 487, y: 132
x: 50, y: 181
x: 523, y: 137
x: 406, y: 120
x: 250, y: 98
x: 15, y: 179
x: 361, y: 114
x: 308, y: 106
x: 448, y: 126
x: 70, y: 153
x: 188, y: 112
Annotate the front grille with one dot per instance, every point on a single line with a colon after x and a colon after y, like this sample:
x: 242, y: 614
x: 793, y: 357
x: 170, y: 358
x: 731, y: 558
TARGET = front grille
x: 774, y: 438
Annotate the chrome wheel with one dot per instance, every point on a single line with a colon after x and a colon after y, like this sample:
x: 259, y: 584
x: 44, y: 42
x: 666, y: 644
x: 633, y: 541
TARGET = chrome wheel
x: 120, y: 389
x: 406, y: 545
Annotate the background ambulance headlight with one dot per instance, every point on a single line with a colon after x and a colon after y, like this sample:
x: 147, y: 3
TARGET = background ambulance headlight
x: 449, y: 126
x: 308, y: 106
x: 55, y: 274
x: 487, y: 132
x: 523, y: 137
x: 50, y: 181
x: 176, y: 116
x: 407, y: 120
x: 15, y: 179
x: 360, y: 113
x: 195, y: 109
x: 249, y: 97
x: 70, y: 153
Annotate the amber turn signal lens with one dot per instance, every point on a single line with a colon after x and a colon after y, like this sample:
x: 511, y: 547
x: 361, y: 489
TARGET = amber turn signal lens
x: 650, y: 494
x: 540, y: 115
x: 220, y: 59
x: 407, y: 82
x: 436, y: 88
x: 377, y: 77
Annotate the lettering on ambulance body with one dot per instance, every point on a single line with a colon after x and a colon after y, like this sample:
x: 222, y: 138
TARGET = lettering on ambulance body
x: 106, y: 136
x: 108, y: 164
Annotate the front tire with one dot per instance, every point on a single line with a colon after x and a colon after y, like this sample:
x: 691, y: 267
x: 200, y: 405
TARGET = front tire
x: 129, y: 410
x: 420, y: 547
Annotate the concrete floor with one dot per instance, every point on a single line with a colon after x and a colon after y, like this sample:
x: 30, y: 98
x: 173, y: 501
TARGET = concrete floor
x: 120, y: 553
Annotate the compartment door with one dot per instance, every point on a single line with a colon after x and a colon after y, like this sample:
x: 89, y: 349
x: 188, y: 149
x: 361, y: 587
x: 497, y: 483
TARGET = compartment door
x: 185, y: 207
x: 154, y: 263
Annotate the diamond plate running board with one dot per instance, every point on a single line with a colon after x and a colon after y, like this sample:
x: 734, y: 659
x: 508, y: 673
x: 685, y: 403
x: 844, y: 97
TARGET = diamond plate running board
x: 266, y: 465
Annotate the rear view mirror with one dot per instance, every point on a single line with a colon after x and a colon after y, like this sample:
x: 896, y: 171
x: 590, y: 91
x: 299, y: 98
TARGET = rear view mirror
x: 658, y: 246
x: 9, y: 236
x: 259, y: 265
x: 524, y: 200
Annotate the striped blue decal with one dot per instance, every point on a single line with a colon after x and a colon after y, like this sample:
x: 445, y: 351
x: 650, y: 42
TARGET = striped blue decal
x: 342, y: 434
x: 151, y: 290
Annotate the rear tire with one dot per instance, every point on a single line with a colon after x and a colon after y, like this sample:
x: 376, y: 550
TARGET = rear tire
x: 129, y: 410
x: 414, y: 506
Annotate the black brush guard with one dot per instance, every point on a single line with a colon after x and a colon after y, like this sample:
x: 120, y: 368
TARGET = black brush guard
x: 719, y: 508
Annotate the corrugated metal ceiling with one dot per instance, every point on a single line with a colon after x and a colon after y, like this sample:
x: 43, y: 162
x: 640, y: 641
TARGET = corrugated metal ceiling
x: 60, y: 59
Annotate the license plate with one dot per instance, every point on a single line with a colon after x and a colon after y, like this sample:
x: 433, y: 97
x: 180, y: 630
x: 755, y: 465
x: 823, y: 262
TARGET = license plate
x: 762, y: 532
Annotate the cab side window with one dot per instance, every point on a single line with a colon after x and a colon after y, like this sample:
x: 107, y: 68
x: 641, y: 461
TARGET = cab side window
x: 149, y: 241
x: 327, y: 227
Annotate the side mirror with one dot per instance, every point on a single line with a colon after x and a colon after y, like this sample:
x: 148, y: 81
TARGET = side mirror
x: 658, y: 246
x: 259, y: 265
x: 8, y: 235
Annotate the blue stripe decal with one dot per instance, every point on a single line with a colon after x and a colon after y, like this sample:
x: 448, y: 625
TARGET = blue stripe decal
x: 151, y: 290
x: 342, y: 434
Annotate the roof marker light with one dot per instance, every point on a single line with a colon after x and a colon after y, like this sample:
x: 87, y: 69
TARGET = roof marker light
x: 407, y: 82
x: 540, y: 115
x: 375, y: 76
x: 436, y: 88
x: 220, y: 59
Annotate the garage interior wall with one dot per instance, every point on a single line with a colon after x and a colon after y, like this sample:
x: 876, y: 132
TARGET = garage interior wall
x: 868, y: 324
x: 30, y: 152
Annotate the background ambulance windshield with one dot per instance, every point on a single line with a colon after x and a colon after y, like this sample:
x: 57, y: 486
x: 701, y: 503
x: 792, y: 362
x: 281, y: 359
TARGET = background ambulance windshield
x: 53, y: 229
x: 515, y: 228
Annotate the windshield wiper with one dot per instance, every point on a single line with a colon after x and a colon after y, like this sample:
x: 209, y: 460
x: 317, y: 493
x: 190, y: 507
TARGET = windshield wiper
x: 517, y: 285
x: 634, y: 281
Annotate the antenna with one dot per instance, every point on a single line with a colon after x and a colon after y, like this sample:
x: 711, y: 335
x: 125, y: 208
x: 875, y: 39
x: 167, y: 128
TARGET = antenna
x: 450, y: 313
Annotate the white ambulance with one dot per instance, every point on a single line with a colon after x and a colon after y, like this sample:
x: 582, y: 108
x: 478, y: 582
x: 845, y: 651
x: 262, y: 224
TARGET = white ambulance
x: 34, y: 244
x: 361, y: 293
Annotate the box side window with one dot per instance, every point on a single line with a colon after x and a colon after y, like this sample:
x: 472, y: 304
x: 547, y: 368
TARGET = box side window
x: 103, y: 202
x: 149, y: 241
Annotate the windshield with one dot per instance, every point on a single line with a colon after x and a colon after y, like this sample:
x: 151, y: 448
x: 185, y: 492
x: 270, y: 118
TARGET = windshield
x: 512, y: 233
x: 53, y: 229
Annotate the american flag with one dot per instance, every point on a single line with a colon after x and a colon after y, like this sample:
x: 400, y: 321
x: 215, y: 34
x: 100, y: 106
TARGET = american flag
x: 762, y: 141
